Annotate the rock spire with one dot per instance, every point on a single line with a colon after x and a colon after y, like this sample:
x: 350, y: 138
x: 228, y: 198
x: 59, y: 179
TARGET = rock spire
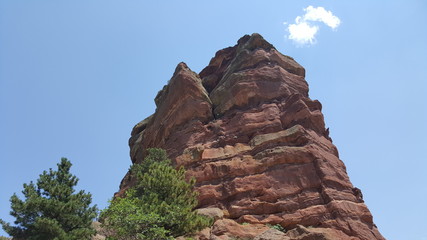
x: 247, y: 130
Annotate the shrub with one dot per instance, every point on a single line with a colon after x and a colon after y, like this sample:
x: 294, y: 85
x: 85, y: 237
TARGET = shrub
x: 277, y: 227
x: 159, y: 206
x: 51, y: 208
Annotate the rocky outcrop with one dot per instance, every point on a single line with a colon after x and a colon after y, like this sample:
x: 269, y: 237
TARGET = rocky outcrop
x: 247, y: 131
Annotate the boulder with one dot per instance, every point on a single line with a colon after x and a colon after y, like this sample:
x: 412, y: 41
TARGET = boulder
x: 214, y: 213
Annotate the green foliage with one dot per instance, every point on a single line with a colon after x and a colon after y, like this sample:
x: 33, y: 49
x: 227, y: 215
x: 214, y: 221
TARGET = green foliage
x: 277, y: 227
x: 159, y: 206
x: 51, y: 208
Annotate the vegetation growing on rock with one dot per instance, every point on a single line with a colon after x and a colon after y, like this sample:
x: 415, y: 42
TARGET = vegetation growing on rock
x: 159, y: 206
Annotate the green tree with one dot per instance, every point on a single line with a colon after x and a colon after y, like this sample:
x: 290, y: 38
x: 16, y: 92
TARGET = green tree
x: 51, y: 208
x: 159, y: 206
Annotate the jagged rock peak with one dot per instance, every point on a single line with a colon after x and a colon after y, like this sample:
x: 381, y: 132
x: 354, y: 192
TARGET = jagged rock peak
x: 250, y: 51
x: 254, y: 41
x: 182, y: 100
x: 182, y: 73
x: 247, y: 131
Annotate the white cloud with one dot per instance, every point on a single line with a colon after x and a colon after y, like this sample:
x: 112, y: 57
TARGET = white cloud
x: 304, y: 30
x: 319, y: 14
x: 302, y: 33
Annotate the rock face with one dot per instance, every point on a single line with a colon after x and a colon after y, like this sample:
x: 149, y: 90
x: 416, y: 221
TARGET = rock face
x: 247, y: 130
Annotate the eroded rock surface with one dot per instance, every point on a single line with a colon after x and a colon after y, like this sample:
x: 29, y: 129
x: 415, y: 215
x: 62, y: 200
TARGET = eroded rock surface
x: 247, y: 130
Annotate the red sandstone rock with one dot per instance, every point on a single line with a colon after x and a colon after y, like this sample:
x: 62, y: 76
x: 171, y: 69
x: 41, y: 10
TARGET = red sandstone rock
x: 272, y: 234
x: 227, y: 228
x: 246, y: 129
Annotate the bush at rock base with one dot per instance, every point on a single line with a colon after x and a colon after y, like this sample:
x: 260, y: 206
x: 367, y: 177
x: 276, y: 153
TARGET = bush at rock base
x: 159, y: 206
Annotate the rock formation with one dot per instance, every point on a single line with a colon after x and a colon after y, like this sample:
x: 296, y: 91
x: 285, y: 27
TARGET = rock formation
x: 248, y: 132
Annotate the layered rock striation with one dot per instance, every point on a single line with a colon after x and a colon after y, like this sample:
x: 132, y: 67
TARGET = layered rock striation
x: 247, y: 130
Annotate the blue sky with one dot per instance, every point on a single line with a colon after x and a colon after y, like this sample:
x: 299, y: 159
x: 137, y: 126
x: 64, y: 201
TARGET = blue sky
x: 75, y: 76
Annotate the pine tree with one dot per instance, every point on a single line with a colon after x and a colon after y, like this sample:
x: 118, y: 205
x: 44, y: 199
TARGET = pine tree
x: 159, y: 206
x: 51, y: 208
